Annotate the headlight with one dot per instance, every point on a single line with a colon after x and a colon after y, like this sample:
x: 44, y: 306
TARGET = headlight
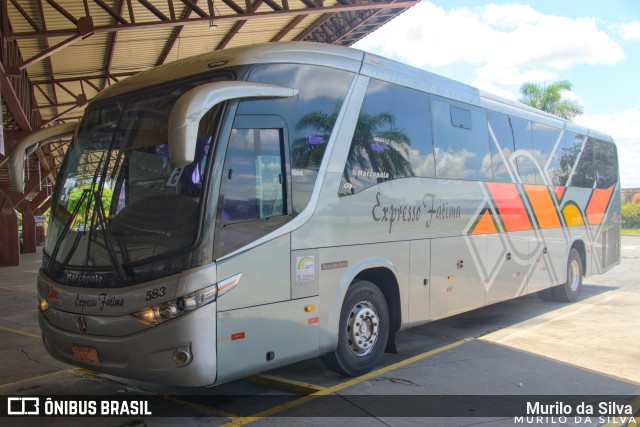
x: 179, y: 306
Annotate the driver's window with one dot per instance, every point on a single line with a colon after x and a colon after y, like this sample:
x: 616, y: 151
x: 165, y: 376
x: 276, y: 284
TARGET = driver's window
x: 253, y: 191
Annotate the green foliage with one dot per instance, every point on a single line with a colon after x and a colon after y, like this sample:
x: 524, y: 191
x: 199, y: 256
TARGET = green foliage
x: 86, y: 208
x: 549, y: 98
x: 631, y: 215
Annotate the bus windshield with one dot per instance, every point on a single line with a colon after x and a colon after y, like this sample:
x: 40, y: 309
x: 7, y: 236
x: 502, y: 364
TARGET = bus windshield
x: 119, y: 201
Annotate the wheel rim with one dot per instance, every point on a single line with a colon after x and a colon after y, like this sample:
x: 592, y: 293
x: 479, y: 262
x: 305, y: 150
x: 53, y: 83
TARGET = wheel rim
x: 574, y: 275
x: 362, y: 328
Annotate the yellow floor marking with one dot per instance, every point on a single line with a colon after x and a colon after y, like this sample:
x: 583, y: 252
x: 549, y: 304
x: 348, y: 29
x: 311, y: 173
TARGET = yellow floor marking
x: 50, y: 374
x: 285, y: 384
x: 310, y: 397
x: 15, y: 331
x: 29, y: 291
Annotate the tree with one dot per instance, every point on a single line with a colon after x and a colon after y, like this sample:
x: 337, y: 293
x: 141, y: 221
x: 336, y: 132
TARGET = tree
x: 86, y: 209
x: 549, y: 98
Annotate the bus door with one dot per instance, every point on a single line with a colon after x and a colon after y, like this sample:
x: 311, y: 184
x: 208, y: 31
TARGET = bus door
x: 259, y: 325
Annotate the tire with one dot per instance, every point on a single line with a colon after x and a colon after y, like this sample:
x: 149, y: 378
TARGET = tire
x: 365, y: 314
x: 570, y: 291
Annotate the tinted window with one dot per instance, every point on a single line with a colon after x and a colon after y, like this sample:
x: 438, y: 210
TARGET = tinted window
x: 461, y: 147
x: 500, y: 127
x: 310, y: 116
x: 606, y: 164
x: 568, y: 155
x: 252, y: 185
x: 584, y: 174
x: 523, y: 144
x: 546, y: 154
x: 392, y: 138
x: 253, y: 194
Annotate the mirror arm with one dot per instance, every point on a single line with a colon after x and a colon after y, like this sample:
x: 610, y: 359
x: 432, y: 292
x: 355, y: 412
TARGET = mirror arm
x: 186, y: 113
x: 31, y: 142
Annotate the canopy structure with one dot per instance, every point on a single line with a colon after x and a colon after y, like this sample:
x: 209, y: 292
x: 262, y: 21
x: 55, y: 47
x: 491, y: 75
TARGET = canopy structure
x: 56, y: 55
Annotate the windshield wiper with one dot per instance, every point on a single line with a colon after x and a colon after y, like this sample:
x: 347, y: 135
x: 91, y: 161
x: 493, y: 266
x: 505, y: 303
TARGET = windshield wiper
x: 107, y: 239
x: 67, y: 227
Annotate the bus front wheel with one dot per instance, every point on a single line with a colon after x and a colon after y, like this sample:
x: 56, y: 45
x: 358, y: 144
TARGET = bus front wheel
x: 364, y: 331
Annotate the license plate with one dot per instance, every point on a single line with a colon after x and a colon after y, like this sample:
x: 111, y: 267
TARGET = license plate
x: 85, y: 354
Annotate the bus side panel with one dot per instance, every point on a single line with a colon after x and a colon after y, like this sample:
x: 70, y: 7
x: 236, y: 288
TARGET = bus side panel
x: 256, y: 287
x: 420, y: 272
x: 507, y: 264
x: 256, y: 339
x: 548, y: 260
x: 456, y: 285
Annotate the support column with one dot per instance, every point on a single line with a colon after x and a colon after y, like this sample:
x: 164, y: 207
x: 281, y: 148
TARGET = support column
x: 40, y: 235
x: 28, y: 232
x: 9, y: 242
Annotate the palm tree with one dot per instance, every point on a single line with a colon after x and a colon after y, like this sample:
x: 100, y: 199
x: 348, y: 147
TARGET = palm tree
x: 549, y: 98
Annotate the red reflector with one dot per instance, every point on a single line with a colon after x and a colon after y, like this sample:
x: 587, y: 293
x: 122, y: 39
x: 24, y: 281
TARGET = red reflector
x: 314, y: 320
x: 237, y: 336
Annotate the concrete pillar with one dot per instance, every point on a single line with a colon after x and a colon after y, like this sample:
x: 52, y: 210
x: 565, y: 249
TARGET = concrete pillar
x: 28, y: 232
x: 9, y: 242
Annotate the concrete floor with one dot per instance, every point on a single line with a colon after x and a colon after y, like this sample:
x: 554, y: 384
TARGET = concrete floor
x: 524, y: 347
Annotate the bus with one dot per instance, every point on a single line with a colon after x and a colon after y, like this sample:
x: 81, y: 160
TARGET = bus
x: 230, y: 213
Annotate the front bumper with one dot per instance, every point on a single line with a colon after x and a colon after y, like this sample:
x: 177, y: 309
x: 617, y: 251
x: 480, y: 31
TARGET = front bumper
x: 147, y: 355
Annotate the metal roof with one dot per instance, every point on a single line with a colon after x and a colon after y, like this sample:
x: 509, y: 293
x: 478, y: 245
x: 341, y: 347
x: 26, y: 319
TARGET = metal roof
x: 56, y: 55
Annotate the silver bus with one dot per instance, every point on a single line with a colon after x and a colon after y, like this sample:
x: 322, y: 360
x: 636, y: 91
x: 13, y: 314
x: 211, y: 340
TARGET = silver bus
x: 230, y: 213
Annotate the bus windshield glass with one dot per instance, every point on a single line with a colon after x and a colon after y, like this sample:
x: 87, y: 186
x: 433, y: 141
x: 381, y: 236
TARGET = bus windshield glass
x: 119, y: 201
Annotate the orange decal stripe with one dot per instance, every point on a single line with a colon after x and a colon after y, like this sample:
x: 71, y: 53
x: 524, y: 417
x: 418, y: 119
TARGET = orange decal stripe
x: 559, y: 191
x: 543, y: 206
x: 509, y: 205
x: 485, y: 224
x: 598, y: 204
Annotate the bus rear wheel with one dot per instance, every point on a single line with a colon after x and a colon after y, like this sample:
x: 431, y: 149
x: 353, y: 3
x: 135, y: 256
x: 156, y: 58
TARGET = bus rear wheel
x: 364, y: 331
x: 570, y: 290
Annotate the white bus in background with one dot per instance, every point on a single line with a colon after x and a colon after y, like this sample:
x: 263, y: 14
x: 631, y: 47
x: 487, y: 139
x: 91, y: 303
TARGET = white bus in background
x: 237, y: 211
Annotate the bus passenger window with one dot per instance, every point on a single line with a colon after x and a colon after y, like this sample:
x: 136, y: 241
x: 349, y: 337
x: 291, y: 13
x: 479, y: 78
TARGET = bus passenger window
x: 545, y: 139
x: 606, y: 164
x: 460, y: 138
x: 585, y: 174
x: 501, y: 145
x: 392, y: 138
x: 522, y: 158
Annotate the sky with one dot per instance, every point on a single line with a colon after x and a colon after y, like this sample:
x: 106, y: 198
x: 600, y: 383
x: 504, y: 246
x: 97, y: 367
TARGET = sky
x: 498, y: 45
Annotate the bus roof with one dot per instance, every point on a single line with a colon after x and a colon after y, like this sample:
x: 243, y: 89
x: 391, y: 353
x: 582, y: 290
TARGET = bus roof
x: 345, y: 58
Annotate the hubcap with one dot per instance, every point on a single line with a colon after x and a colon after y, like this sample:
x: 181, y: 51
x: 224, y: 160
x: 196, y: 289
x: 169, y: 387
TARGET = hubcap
x: 362, y: 328
x: 574, y: 275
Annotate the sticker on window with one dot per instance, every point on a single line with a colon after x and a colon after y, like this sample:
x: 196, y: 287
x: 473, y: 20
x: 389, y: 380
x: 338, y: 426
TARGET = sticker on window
x: 174, y: 178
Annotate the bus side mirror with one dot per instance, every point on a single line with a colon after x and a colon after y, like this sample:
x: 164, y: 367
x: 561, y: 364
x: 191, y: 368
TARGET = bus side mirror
x: 184, y: 118
x: 28, y: 145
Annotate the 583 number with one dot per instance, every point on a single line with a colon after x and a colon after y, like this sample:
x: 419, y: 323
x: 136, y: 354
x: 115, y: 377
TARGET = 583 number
x: 156, y: 293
